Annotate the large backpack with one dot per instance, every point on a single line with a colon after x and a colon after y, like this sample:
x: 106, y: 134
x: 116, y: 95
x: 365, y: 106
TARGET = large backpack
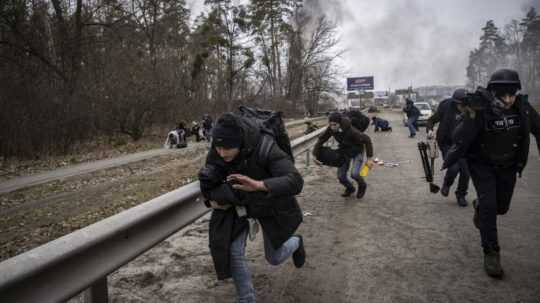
x: 273, y: 123
x: 358, y: 120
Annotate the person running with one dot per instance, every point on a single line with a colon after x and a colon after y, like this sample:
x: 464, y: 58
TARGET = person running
x: 413, y: 113
x: 494, y: 137
x: 447, y: 115
x: 248, y: 177
x: 352, y: 144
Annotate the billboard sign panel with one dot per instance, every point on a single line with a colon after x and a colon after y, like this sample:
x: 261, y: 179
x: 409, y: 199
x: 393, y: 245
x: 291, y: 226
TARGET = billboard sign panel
x: 360, y: 83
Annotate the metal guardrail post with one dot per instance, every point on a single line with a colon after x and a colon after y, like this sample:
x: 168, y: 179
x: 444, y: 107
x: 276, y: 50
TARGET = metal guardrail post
x: 98, y: 292
x: 308, y: 152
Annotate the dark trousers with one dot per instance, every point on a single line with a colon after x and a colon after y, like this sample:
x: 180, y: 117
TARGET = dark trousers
x: 461, y: 168
x: 495, y: 186
x: 343, y: 172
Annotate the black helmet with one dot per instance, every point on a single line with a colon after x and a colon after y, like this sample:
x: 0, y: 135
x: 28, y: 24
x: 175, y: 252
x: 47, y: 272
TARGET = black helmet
x: 459, y: 95
x: 504, y: 77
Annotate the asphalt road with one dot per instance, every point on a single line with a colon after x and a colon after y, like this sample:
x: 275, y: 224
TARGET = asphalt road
x: 400, y: 243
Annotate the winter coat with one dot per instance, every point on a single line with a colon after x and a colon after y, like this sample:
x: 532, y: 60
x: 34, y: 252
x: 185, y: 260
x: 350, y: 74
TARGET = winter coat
x: 380, y: 123
x: 351, y: 141
x: 470, y: 136
x: 447, y: 116
x: 277, y: 210
x: 411, y: 110
x: 207, y: 123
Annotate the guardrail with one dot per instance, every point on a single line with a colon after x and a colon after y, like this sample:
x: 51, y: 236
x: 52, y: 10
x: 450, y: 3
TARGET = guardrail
x: 62, y: 268
x: 302, y: 121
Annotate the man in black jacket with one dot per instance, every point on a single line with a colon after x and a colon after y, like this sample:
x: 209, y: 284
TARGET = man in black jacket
x: 248, y: 177
x: 351, y: 145
x: 446, y: 115
x: 494, y: 136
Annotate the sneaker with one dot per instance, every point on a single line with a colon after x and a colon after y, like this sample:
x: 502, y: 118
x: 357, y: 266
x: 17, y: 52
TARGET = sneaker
x: 348, y: 192
x: 299, y: 255
x: 412, y: 136
x: 461, y: 201
x: 361, y: 191
x: 492, y: 264
x: 445, y: 190
x: 476, y: 217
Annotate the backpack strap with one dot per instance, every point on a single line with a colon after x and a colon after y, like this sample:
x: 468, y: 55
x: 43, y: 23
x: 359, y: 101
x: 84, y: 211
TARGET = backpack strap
x: 267, y: 142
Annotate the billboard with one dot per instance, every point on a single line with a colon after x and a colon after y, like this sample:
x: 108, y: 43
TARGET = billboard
x: 360, y: 83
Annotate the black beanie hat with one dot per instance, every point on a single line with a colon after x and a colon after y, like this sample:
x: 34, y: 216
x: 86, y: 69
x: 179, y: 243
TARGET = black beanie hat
x: 227, y: 133
x: 334, y: 117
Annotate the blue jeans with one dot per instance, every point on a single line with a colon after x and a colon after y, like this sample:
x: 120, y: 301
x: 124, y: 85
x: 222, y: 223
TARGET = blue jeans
x: 460, y: 168
x: 411, y: 124
x: 240, y: 271
x: 355, y: 172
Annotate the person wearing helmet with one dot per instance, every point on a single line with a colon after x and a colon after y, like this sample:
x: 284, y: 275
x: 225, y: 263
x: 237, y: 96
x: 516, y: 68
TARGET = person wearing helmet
x: 446, y: 115
x: 494, y: 136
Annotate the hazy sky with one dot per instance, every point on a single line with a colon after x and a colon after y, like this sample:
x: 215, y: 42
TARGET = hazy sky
x: 412, y: 42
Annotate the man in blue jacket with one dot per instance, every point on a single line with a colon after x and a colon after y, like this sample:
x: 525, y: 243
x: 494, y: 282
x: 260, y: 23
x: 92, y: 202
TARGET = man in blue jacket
x: 380, y: 124
x: 413, y: 113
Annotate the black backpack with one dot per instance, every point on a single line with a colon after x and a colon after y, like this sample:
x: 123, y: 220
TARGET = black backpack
x: 330, y: 157
x: 273, y: 122
x: 358, y: 120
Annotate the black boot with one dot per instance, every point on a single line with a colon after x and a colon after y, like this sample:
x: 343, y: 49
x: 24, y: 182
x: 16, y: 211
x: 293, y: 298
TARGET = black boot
x: 461, y: 201
x: 361, y: 191
x: 476, y: 217
x: 445, y: 190
x: 299, y: 255
x: 348, y: 191
x: 492, y: 263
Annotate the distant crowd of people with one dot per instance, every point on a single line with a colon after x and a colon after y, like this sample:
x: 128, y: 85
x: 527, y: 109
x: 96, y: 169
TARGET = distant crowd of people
x: 202, y: 130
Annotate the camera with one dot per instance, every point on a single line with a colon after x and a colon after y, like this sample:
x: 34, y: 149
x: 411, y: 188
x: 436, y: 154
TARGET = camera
x: 475, y: 101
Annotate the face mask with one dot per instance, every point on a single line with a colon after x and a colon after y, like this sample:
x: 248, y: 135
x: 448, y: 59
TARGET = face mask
x: 500, y: 92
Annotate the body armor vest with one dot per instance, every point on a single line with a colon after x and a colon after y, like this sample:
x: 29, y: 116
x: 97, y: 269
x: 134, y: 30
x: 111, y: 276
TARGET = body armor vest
x: 502, y: 134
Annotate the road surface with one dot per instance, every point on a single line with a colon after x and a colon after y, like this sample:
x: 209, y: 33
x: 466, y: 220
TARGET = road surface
x: 400, y: 243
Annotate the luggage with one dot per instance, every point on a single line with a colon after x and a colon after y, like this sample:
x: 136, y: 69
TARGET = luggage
x: 330, y: 157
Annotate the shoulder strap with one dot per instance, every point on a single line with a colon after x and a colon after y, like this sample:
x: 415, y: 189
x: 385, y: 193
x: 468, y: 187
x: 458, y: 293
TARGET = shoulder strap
x: 264, y: 150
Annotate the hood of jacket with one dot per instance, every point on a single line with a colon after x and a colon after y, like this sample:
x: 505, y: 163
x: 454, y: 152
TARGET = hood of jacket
x: 345, y: 123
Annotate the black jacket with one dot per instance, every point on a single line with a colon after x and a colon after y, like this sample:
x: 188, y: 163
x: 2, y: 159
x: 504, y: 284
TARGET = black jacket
x: 470, y: 135
x: 411, y: 110
x: 351, y: 141
x: 277, y: 210
x: 447, y: 116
